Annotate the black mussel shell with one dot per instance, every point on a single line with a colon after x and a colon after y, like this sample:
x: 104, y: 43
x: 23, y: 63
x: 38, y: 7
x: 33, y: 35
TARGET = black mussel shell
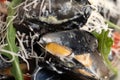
x: 60, y: 10
x: 79, y: 41
x: 46, y: 74
x: 62, y: 15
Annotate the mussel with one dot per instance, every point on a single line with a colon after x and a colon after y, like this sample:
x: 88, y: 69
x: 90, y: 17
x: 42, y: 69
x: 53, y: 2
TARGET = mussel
x: 74, y: 52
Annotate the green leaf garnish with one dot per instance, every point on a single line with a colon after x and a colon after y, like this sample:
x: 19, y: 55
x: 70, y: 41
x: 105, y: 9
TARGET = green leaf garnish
x: 104, y: 47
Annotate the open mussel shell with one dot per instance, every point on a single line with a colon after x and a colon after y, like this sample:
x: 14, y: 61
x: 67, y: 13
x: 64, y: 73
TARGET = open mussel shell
x: 79, y: 44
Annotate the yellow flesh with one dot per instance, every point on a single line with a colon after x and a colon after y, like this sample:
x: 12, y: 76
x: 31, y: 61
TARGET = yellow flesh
x: 57, y: 50
x: 82, y: 71
x: 85, y: 59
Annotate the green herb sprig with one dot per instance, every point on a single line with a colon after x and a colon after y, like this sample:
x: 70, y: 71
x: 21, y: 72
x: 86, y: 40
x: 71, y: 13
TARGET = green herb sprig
x: 11, y: 33
x: 104, y: 47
